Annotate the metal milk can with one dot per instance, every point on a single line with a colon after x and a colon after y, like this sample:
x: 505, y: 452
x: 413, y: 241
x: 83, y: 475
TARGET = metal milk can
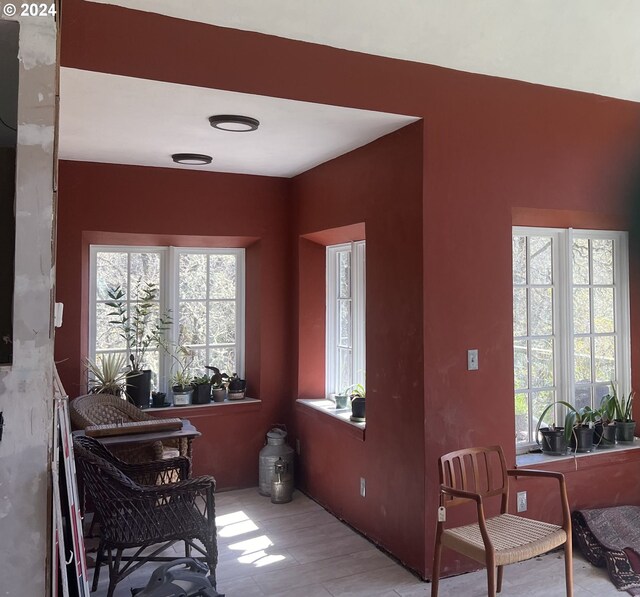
x: 281, y: 483
x: 274, y: 449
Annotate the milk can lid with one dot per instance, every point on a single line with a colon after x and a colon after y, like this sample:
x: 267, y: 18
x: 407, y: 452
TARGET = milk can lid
x: 276, y: 433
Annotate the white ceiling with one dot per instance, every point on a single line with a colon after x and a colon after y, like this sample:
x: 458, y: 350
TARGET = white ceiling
x: 123, y: 120
x: 586, y: 45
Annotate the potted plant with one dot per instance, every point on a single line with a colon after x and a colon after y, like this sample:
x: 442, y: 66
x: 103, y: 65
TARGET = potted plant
x: 107, y: 374
x: 604, y: 431
x: 159, y: 400
x: 201, y: 389
x: 357, y: 395
x: 625, y: 425
x: 218, y: 380
x: 236, y: 387
x: 181, y: 380
x: 577, y: 431
x: 142, y: 331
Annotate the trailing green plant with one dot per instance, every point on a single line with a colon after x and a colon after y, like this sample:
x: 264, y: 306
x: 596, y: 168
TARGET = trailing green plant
x: 107, y: 374
x: 141, y: 329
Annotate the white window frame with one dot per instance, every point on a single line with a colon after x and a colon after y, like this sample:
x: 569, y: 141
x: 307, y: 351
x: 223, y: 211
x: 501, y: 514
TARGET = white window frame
x: 168, y: 296
x: 563, y: 325
x: 358, y: 315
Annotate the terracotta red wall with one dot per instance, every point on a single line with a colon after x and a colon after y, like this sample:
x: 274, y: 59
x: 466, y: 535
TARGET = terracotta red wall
x: 379, y: 185
x: 490, y: 146
x: 106, y: 204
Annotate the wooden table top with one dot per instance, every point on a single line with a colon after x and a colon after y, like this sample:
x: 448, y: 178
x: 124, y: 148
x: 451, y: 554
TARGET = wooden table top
x: 188, y: 431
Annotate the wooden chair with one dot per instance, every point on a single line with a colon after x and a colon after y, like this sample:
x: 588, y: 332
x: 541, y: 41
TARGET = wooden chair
x: 476, y: 474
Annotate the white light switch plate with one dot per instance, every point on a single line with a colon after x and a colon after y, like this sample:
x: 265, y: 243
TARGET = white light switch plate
x: 472, y: 359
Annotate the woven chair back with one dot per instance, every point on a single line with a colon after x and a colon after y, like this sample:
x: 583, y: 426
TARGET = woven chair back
x: 103, y: 409
x: 479, y: 470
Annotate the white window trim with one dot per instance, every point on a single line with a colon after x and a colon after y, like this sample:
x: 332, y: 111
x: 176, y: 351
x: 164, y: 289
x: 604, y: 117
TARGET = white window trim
x: 168, y: 296
x: 562, y: 265
x: 173, y: 289
x: 358, y: 310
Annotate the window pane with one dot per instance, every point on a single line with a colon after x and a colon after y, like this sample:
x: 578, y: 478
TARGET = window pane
x: 152, y: 361
x: 582, y: 358
x: 344, y: 323
x: 541, y: 363
x: 603, y: 306
x: 581, y: 311
x: 541, y: 309
x: 107, y: 334
x: 582, y: 396
x: 521, y: 361
x: 519, y: 245
x: 111, y: 271
x: 519, y: 311
x: 222, y: 274
x: 605, y: 358
x: 540, y: 401
x: 199, y: 361
x: 145, y: 269
x: 540, y: 260
x: 193, y: 322
x: 522, y: 418
x: 344, y: 368
x: 224, y: 358
x: 222, y: 322
x: 344, y: 274
x: 193, y: 276
x: 602, y: 261
x: 580, y: 261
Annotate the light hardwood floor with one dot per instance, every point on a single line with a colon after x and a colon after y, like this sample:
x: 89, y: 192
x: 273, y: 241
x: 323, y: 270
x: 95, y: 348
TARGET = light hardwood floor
x: 300, y: 550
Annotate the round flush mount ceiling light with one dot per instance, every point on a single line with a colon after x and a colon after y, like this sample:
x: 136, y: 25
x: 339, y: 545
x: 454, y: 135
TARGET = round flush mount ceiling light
x: 191, y: 159
x: 234, y: 123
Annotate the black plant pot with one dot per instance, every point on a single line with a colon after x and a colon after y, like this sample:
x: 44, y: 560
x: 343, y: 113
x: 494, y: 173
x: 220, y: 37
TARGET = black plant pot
x: 358, y: 409
x: 201, y: 394
x: 604, y: 436
x: 625, y: 431
x: 158, y: 399
x: 553, y: 441
x: 139, y: 387
x: 582, y: 439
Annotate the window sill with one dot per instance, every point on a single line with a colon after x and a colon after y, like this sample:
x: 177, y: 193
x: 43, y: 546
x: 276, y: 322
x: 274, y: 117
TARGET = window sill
x: 571, y: 462
x: 215, y: 408
x: 327, y: 408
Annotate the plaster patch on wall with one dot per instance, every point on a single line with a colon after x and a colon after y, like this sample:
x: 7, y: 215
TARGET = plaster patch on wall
x: 40, y: 97
x: 37, y: 42
x: 36, y: 134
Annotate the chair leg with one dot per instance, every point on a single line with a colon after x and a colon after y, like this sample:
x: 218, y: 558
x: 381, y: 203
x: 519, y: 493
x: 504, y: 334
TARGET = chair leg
x: 568, y: 565
x: 435, y: 577
x: 96, y: 570
x: 491, y: 581
x: 187, y: 549
x: 500, y: 571
x: 114, y: 568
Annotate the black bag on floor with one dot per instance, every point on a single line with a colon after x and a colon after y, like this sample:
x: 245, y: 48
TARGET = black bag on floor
x: 163, y: 581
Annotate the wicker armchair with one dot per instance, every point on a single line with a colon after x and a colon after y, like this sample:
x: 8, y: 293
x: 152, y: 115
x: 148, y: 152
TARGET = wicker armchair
x: 140, y: 516
x: 155, y: 472
x: 104, y: 409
